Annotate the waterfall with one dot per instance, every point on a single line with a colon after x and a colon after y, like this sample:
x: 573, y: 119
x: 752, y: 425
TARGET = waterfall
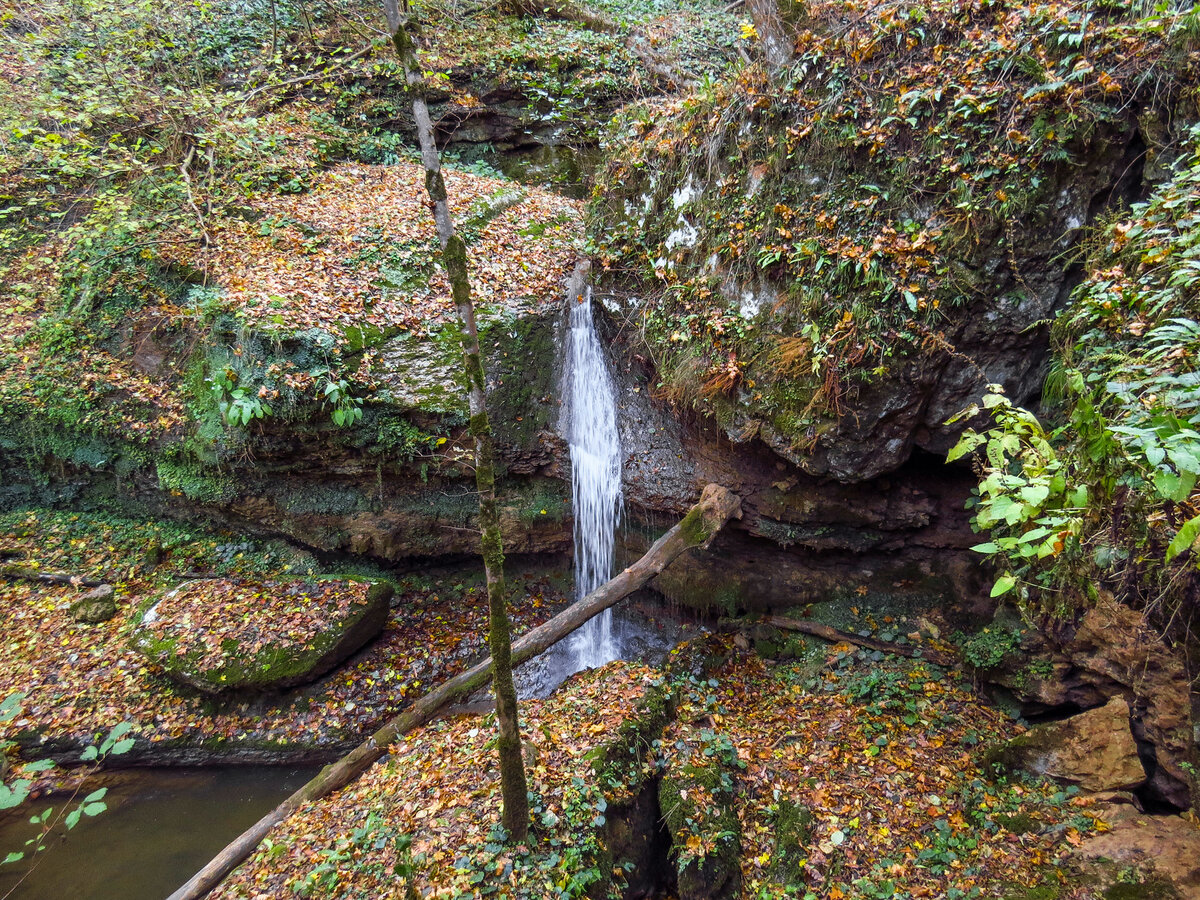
x: 595, y: 475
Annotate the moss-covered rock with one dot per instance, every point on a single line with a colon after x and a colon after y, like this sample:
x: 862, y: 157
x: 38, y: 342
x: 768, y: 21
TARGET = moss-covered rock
x: 793, y: 831
x: 705, y: 834
x: 837, y: 258
x: 96, y: 606
x: 221, y: 636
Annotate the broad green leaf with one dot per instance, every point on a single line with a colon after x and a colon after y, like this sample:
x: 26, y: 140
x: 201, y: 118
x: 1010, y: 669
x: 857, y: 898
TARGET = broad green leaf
x: 1184, y: 539
x: 1035, y: 494
x: 122, y: 746
x: 1003, y: 585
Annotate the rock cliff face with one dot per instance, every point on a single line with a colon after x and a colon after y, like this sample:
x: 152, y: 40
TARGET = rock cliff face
x: 838, y: 261
x: 1013, y: 277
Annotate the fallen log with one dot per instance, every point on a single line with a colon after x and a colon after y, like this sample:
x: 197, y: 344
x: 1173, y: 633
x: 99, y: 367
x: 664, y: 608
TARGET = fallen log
x: 835, y: 636
x: 24, y: 573
x: 696, y: 530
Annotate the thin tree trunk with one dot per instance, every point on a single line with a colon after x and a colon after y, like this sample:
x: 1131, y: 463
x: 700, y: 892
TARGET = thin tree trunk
x: 778, y: 45
x: 696, y: 530
x: 513, y: 788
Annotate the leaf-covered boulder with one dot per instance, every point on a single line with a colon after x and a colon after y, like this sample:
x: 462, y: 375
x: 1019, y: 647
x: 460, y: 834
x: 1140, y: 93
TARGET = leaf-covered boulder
x: 224, y: 636
x: 836, y: 258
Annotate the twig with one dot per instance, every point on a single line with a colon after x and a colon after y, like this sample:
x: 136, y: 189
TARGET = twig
x: 300, y: 79
x: 206, y: 240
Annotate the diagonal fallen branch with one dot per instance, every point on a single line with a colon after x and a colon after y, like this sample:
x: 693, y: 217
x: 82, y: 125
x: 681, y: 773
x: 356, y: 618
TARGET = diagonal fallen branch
x: 17, y: 572
x: 696, y: 529
x: 834, y: 636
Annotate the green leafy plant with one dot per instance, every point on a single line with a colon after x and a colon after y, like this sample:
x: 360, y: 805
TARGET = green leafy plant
x: 1024, y: 500
x: 12, y: 795
x: 346, y: 409
x: 238, y: 405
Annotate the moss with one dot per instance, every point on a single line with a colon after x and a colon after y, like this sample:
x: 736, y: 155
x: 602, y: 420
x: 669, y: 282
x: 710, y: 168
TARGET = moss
x: 1017, y: 823
x: 381, y: 592
x: 1049, y: 891
x: 543, y: 500
x: 269, y: 667
x: 793, y: 825
x: 194, y: 480
x: 1008, y: 756
x: 716, y: 873
x: 329, y: 498
x: 694, y: 528
x: 521, y: 367
x: 1152, y: 889
x: 617, y: 763
x: 768, y: 649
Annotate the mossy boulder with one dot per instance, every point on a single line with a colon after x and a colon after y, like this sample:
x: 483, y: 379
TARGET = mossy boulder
x: 793, y: 824
x: 96, y: 606
x: 1094, y: 749
x: 222, y: 636
x: 706, y: 843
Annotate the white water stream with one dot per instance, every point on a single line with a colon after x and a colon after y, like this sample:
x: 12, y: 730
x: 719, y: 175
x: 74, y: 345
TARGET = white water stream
x: 595, y: 476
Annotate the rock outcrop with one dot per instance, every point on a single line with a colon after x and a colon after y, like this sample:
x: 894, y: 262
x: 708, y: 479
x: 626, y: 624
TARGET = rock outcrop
x: 1113, y: 653
x: 1094, y: 750
x: 223, y: 637
x: 96, y: 606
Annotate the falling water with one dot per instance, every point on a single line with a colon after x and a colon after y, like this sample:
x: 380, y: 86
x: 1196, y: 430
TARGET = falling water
x: 595, y: 475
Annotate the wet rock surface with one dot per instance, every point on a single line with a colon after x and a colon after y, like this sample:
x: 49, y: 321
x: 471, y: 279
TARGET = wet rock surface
x: 1094, y: 749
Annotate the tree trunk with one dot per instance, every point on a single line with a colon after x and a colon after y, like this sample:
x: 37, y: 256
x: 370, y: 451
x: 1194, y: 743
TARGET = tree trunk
x: 514, y: 792
x: 697, y: 529
x: 16, y: 572
x: 779, y: 47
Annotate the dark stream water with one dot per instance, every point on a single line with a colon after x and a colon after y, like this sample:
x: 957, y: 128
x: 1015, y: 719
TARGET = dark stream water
x: 161, y: 826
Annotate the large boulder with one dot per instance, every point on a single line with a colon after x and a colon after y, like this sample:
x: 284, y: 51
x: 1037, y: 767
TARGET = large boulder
x: 835, y: 263
x: 1094, y: 749
x: 223, y: 636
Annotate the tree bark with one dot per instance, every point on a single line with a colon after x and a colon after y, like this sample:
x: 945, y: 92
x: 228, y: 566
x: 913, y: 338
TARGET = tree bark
x: 514, y: 791
x: 778, y: 45
x: 17, y: 572
x: 697, y: 530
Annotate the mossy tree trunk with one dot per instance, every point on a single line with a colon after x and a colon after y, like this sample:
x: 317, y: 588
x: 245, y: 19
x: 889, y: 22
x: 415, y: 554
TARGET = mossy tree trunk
x: 513, y: 789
